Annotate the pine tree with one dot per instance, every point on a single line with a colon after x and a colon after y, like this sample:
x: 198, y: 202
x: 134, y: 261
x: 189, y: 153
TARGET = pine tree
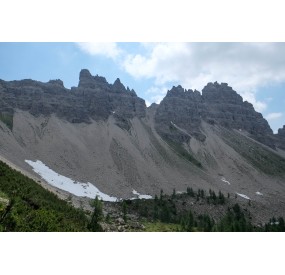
x: 161, y: 194
x: 124, y: 211
x: 96, y: 217
x: 173, y: 194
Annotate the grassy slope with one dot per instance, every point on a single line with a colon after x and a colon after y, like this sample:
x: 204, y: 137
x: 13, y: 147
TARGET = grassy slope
x: 261, y: 158
x: 32, y: 208
x: 26, y: 206
x: 7, y: 119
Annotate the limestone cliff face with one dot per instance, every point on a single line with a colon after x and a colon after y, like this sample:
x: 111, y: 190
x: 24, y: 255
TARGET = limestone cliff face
x: 178, y: 117
x: 180, y: 108
x: 218, y: 104
x: 225, y: 107
x: 280, y: 138
x: 94, y: 98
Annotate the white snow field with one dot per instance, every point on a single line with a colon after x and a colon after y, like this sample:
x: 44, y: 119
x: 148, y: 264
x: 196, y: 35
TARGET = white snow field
x: 80, y: 189
x: 74, y: 187
x: 140, y: 196
x: 258, y: 193
x: 243, y: 196
x: 224, y: 180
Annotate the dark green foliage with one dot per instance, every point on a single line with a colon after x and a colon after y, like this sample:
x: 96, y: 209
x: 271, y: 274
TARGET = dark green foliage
x: 125, y: 211
x: 221, y: 198
x: 161, y: 194
x: 275, y: 225
x: 163, y: 211
x: 213, y: 198
x: 180, y: 150
x: 32, y: 208
x: 156, y: 198
x: 190, y: 192
x: 187, y: 222
x: 266, y: 161
x: 97, y: 216
x: 7, y: 119
x: 205, y: 223
x: 174, y: 194
x: 234, y: 221
x: 108, y: 218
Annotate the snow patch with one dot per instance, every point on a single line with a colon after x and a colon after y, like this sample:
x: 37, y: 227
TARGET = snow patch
x: 140, y: 196
x: 258, y: 193
x: 243, y: 196
x: 224, y: 180
x: 74, y: 187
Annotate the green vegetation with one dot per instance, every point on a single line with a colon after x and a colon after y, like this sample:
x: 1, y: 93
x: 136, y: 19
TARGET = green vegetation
x: 180, y: 150
x: 26, y: 206
x: 266, y: 161
x: 32, y: 208
x: 275, y: 225
x: 234, y: 221
x: 156, y: 145
x: 96, y: 217
x: 161, y: 227
x: 166, y: 214
x: 7, y: 119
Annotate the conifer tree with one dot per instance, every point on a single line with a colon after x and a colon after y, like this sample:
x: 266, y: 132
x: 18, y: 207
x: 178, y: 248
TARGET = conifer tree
x: 97, y: 216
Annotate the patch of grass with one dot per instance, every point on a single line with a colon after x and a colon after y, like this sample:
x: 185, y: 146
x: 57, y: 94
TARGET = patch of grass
x: 161, y: 227
x: 178, y: 148
x: 7, y: 119
x: 157, y: 145
x: 264, y: 160
x: 33, y: 208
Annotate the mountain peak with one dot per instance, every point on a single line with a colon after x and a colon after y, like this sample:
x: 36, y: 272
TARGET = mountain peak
x: 84, y: 73
x: 86, y: 80
x: 57, y: 82
x: 215, y: 92
x: 118, y: 86
x: 281, y: 131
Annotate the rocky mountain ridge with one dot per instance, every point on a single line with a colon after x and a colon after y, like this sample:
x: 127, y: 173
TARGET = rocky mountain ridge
x: 94, y: 98
x: 280, y: 138
x: 103, y: 135
x: 178, y: 116
x: 218, y: 104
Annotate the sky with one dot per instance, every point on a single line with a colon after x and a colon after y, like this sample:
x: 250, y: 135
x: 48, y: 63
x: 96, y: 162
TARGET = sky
x: 255, y: 70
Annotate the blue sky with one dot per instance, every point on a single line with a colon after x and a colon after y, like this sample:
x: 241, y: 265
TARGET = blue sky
x: 255, y: 70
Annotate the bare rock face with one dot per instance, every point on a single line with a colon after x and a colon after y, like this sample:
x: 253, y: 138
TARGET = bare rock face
x: 179, y: 109
x: 227, y: 108
x: 94, y: 98
x: 281, y: 132
x: 280, y: 138
x: 219, y: 104
x: 178, y: 117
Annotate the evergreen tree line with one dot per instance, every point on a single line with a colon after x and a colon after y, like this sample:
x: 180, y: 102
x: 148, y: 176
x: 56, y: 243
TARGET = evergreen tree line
x: 33, y: 208
x: 163, y: 209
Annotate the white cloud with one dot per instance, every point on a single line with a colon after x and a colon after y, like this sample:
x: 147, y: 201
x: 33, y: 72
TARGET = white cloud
x: 273, y: 116
x: 245, y: 66
x: 110, y: 49
x: 147, y: 103
x: 157, y: 93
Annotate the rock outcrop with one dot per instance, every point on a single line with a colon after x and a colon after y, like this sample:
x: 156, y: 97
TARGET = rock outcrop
x: 280, y: 138
x: 178, y: 117
x: 218, y: 104
x: 94, y: 98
